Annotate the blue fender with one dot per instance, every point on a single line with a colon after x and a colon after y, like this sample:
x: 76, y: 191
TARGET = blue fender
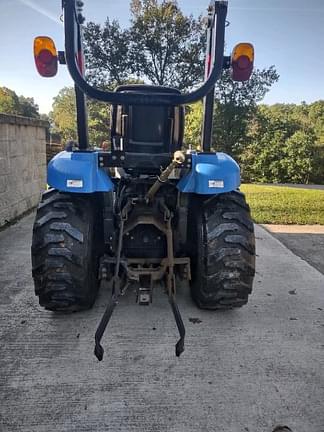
x: 77, y: 172
x: 211, y: 174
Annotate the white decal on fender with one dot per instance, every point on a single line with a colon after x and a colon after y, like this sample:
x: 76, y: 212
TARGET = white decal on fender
x: 74, y: 183
x: 216, y: 183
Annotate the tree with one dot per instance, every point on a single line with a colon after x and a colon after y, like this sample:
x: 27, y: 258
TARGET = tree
x: 298, y: 162
x: 64, y: 114
x: 107, y: 54
x: 28, y: 107
x: 280, y: 149
x: 193, y: 125
x: 99, y: 122
x: 63, y: 118
x: 235, y: 106
x: 316, y: 117
x: 10, y: 103
x: 167, y: 47
x: 162, y: 46
x: 308, y: 119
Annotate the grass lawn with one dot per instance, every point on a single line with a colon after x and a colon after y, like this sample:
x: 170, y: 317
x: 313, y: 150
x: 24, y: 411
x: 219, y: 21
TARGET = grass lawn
x: 284, y: 205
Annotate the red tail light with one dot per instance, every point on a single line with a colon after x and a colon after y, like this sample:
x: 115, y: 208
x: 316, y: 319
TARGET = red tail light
x: 45, y: 54
x: 242, y: 61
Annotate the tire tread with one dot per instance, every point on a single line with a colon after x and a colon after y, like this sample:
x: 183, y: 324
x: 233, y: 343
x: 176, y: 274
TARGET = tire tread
x: 63, y: 252
x: 224, y: 265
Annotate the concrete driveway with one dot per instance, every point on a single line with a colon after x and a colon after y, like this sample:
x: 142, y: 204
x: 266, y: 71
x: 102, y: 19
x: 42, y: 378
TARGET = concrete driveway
x: 243, y: 371
x: 306, y: 241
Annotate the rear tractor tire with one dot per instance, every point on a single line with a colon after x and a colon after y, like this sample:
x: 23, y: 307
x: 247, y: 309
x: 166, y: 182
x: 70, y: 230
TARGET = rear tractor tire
x: 223, y: 257
x: 65, y: 251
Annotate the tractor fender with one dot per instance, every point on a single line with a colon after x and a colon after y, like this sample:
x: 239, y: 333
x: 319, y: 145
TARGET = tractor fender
x: 77, y: 172
x: 211, y: 174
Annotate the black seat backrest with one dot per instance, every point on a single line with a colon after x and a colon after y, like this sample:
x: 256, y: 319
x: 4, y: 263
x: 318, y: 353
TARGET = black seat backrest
x: 147, y: 129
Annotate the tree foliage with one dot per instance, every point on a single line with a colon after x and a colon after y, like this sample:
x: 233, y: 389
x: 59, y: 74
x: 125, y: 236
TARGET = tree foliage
x: 235, y: 105
x: 63, y: 118
x: 162, y: 46
x: 63, y: 115
x: 278, y: 143
x: 193, y: 125
x: 316, y: 118
x: 280, y: 148
x: 167, y: 47
x: 99, y: 122
x: 28, y: 107
x: 11, y: 103
x: 107, y: 54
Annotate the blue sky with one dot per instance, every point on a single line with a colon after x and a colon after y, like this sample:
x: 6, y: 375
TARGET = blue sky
x: 286, y: 33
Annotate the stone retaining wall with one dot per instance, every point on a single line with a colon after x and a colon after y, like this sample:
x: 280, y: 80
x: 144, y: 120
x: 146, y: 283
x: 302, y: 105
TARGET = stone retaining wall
x: 22, y: 164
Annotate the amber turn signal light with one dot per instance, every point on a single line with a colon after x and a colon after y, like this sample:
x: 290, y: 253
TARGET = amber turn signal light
x: 242, y: 61
x: 46, y: 58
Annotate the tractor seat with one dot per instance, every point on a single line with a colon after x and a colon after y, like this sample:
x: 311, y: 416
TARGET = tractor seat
x: 147, y: 129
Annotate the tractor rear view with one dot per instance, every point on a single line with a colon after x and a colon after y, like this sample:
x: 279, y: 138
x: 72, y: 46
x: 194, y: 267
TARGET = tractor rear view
x: 145, y: 211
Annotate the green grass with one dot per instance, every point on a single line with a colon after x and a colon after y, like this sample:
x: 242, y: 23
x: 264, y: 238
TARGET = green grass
x: 284, y: 205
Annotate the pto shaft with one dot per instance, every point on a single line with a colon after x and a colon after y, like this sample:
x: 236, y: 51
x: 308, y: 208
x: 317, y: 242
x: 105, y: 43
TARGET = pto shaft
x: 178, y: 159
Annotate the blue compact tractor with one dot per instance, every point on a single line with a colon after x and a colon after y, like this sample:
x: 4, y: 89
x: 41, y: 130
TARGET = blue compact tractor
x: 146, y: 211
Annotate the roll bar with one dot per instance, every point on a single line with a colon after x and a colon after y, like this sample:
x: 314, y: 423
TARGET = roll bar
x: 216, y: 25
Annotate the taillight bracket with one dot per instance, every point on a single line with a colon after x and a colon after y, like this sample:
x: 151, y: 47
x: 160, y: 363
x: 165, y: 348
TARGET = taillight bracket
x: 227, y: 62
x: 61, y: 57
